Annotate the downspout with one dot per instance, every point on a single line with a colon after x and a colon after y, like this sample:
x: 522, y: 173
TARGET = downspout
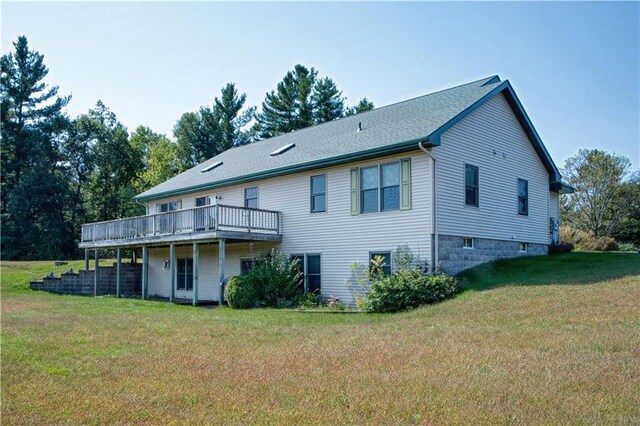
x: 434, y: 266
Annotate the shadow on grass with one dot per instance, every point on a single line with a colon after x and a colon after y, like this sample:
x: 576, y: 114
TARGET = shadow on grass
x: 570, y: 268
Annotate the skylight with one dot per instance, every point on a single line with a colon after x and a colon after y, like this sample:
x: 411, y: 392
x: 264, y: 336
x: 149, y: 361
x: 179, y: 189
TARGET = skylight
x: 211, y: 167
x: 282, y: 149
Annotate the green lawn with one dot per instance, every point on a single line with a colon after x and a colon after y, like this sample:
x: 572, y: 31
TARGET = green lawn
x: 535, y: 340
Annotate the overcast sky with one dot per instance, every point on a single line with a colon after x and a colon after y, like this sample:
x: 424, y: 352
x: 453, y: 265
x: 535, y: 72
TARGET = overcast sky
x: 575, y: 66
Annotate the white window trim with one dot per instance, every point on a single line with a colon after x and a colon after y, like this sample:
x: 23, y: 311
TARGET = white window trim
x: 473, y: 243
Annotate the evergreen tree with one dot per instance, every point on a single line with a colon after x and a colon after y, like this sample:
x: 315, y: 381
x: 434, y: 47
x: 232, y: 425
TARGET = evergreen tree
x: 300, y: 100
x: 363, y: 106
x: 33, y: 180
x: 227, y: 110
x: 328, y: 103
x: 289, y: 107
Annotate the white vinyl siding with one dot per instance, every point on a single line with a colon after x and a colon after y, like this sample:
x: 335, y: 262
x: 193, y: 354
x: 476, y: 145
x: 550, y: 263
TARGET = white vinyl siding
x: 554, y: 205
x: 492, y: 139
x: 341, y: 238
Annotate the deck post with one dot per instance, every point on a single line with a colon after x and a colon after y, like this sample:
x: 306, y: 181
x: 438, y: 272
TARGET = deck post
x: 196, y: 267
x: 118, y: 272
x: 173, y: 270
x: 86, y: 259
x: 221, y: 270
x: 145, y: 271
x: 95, y: 274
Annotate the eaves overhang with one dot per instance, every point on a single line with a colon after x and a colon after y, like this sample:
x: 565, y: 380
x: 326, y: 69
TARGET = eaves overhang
x: 297, y: 168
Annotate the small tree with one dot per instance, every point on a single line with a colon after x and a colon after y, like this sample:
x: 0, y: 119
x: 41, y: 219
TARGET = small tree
x: 597, y: 176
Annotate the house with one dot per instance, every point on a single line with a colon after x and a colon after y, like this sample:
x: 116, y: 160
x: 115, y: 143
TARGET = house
x: 460, y: 176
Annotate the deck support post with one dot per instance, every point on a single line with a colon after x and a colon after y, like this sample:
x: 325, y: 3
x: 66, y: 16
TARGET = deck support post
x: 173, y: 270
x: 118, y: 272
x: 196, y: 267
x: 145, y: 271
x: 86, y: 259
x: 221, y: 249
x: 95, y: 274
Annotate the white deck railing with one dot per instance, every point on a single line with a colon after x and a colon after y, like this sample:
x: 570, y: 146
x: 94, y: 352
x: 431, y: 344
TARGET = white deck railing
x: 198, y: 219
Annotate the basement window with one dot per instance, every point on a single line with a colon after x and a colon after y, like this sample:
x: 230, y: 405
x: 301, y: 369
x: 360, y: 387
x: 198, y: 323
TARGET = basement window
x: 282, y: 149
x: 523, y: 247
x: 211, y: 167
x: 468, y: 243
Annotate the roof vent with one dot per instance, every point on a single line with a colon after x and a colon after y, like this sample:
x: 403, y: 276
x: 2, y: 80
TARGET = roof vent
x: 359, y: 126
x: 282, y: 149
x: 211, y: 167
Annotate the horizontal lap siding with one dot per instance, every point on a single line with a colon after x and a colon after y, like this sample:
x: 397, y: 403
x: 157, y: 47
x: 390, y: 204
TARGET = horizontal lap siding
x: 337, y: 235
x: 554, y: 205
x: 473, y: 140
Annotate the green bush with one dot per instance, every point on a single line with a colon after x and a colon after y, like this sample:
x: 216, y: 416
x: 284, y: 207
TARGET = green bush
x: 240, y: 293
x: 627, y: 247
x: 273, y: 282
x: 408, y: 288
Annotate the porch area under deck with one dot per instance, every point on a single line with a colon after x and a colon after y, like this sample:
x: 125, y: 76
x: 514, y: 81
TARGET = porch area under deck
x: 214, y: 225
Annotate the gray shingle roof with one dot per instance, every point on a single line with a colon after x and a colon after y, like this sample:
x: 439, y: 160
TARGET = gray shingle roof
x: 411, y: 120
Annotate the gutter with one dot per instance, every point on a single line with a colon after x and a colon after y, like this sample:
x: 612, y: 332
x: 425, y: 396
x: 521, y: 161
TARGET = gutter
x: 433, y: 265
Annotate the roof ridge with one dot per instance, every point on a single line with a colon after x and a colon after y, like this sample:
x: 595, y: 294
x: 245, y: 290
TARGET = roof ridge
x: 314, y: 126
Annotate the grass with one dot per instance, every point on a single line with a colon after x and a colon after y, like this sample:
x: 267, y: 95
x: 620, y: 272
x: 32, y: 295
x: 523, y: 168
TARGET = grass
x: 533, y: 340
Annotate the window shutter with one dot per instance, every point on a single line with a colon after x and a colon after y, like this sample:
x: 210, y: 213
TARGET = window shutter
x: 405, y: 184
x: 355, y: 208
x: 179, y: 205
x: 158, y: 208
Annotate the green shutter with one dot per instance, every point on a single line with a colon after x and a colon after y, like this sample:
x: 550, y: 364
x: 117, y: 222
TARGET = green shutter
x: 405, y: 184
x: 355, y: 208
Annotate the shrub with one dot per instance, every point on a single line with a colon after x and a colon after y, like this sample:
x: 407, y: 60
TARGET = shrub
x: 627, y: 247
x: 273, y: 282
x: 408, y: 288
x: 560, y: 248
x: 598, y: 244
x: 240, y: 293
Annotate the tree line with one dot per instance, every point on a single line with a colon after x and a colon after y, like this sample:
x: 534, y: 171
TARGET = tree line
x: 59, y: 172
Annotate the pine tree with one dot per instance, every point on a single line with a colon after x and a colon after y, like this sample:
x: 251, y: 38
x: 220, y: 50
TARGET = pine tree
x: 289, y: 107
x: 33, y: 181
x: 227, y: 110
x: 363, y: 106
x: 328, y: 103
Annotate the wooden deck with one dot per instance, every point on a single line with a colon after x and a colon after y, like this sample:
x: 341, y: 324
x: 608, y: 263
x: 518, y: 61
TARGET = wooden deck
x: 187, y: 225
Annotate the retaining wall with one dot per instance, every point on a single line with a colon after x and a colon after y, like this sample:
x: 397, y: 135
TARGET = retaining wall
x: 82, y: 282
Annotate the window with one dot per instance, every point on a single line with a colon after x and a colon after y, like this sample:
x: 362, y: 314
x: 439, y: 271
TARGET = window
x: 201, y: 201
x: 369, y: 189
x: 251, y: 197
x: 185, y: 274
x: 390, y: 187
x: 318, y: 193
x: 169, y: 207
x: 523, y: 247
x: 386, y: 260
x: 246, y: 265
x: 467, y: 243
x: 523, y: 197
x: 471, y: 185
x: 310, y: 268
x: 313, y: 273
x: 380, y: 188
